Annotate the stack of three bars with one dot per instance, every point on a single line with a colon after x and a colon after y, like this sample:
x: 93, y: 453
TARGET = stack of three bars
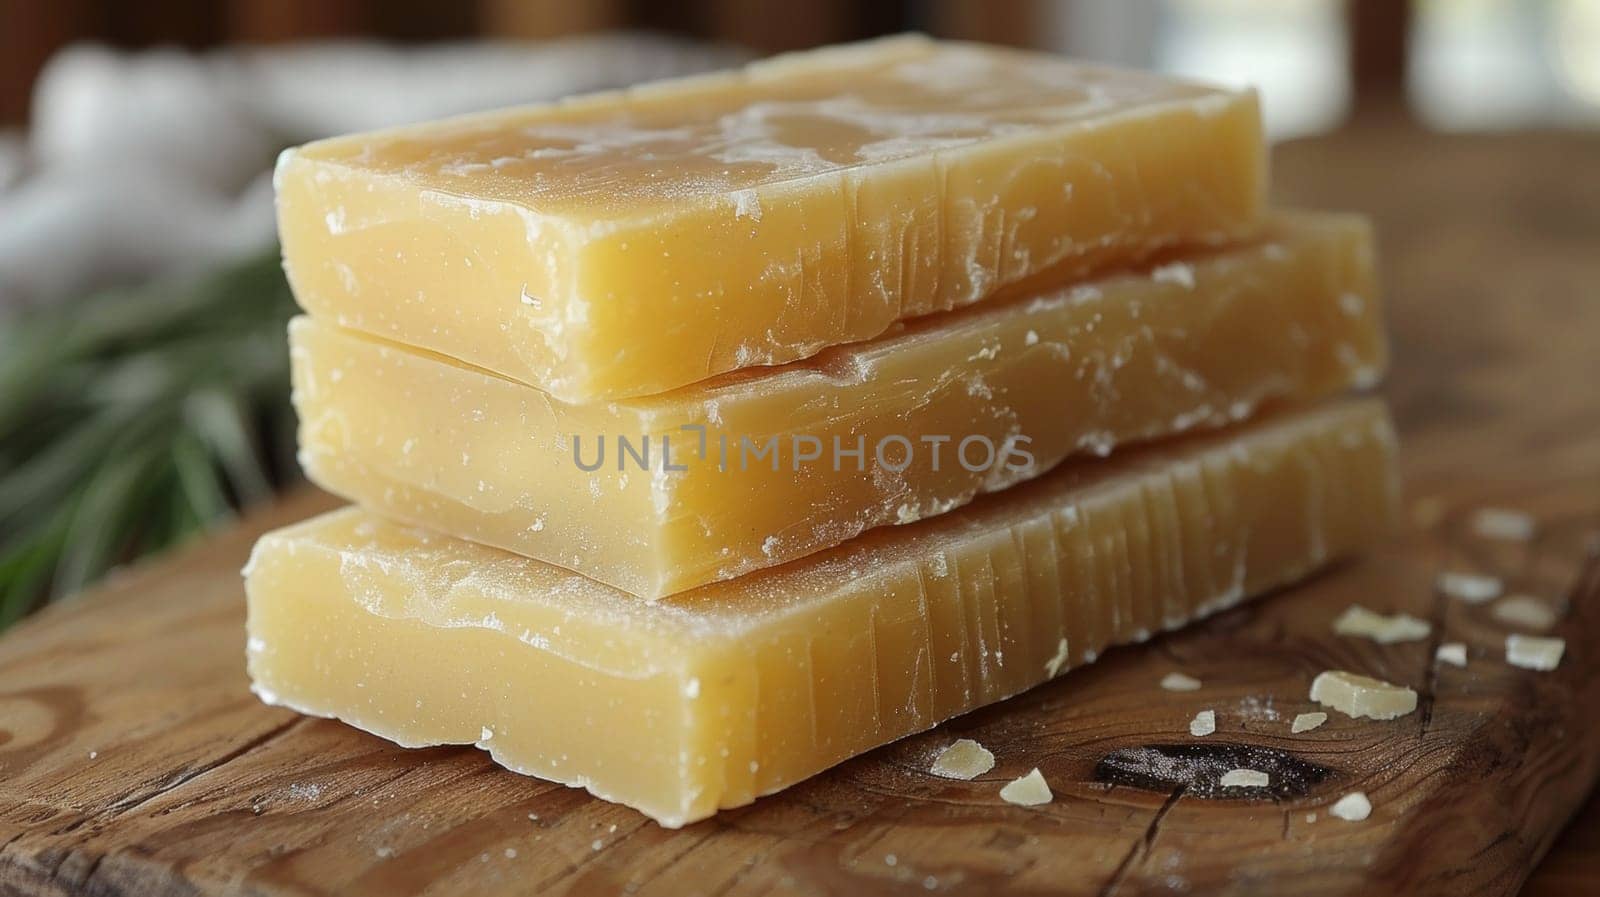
x: 540, y: 330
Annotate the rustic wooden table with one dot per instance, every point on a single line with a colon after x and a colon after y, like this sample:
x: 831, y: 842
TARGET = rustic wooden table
x: 134, y: 761
x: 1491, y: 257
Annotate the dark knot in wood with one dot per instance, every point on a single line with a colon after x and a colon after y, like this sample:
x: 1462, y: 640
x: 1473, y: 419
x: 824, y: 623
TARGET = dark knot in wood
x: 1198, y: 769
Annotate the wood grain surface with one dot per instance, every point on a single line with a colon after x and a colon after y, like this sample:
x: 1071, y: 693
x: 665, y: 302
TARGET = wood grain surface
x: 133, y: 760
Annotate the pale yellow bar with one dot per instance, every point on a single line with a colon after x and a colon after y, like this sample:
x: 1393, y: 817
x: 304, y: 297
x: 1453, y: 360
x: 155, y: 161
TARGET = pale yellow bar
x: 1189, y: 344
x: 628, y: 243
x: 714, y: 697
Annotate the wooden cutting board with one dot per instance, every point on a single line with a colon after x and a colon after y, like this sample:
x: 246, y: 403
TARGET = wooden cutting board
x: 133, y: 760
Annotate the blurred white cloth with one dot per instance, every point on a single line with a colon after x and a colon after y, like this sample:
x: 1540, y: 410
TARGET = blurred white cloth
x: 12, y: 152
x: 143, y: 163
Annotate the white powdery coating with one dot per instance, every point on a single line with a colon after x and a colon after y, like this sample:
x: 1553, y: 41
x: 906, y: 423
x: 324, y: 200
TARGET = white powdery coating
x: 1355, y: 695
x: 964, y: 759
x: 1532, y: 652
x: 746, y: 204
x: 1524, y: 610
x: 1180, y: 682
x: 1363, y: 623
x: 1353, y: 807
x: 1054, y: 665
x: 1029, y: 791
x: 1473, y: 588
x: 1503, y: 523
x: 1203, y: 724
x: 1178, y: 273
x: 1453, y: 653
x: 1255, y: 707
x: 1305, y: 722
x: 1245, y: 778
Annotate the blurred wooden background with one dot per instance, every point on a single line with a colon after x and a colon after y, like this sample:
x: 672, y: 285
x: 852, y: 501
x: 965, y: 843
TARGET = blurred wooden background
x: 30, y: 30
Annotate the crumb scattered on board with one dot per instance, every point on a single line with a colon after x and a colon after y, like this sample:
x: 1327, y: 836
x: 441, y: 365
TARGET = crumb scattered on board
x: 1355, y: 695
x: 1532, y: 652
x: 1524, y: 610
x: 1180, y: 682
x: 1473, y: 588
x: 1305, y: 722
x: 1353, y: 807
x: 964, y: 759
x: 1453, y: 653
x: 1029, y: 791
x: 1245, y: 778
x: 1204, y: 723
x: 1385, y: 630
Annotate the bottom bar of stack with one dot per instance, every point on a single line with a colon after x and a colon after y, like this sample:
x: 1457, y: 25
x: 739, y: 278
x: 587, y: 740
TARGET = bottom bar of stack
x: 716, y: 696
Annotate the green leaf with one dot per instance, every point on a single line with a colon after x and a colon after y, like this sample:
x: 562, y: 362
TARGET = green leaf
x: 133, y: 418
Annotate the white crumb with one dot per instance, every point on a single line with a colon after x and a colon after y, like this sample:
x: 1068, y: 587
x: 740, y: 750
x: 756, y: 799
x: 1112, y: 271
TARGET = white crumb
x: 1532, y: 652
x: 1356, y: 695
x: 1360, y: 622
x: 1353, y: 807
x: 1453, y: 653
x: 1524, y: 610
x: 1245, y: 778
x: 1473, y: 588
x: 1305, y: 722
x: 1029, y: 791
x: 964, y: 759
x: 1180, y: 682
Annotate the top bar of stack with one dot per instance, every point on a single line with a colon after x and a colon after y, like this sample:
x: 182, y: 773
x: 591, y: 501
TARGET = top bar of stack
x: 629, y: 243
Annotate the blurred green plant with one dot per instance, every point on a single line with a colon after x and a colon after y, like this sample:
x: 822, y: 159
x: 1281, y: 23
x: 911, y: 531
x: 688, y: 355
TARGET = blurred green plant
x: 135, y: 418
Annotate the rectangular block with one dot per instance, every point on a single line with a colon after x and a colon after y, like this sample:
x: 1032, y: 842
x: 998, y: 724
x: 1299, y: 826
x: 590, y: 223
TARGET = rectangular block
x: 1188, y: 344
x: 741, y: 688
x: 628, y: 243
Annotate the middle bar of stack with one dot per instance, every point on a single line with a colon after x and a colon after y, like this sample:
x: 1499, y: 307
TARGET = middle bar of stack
x: 1290, y: 316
